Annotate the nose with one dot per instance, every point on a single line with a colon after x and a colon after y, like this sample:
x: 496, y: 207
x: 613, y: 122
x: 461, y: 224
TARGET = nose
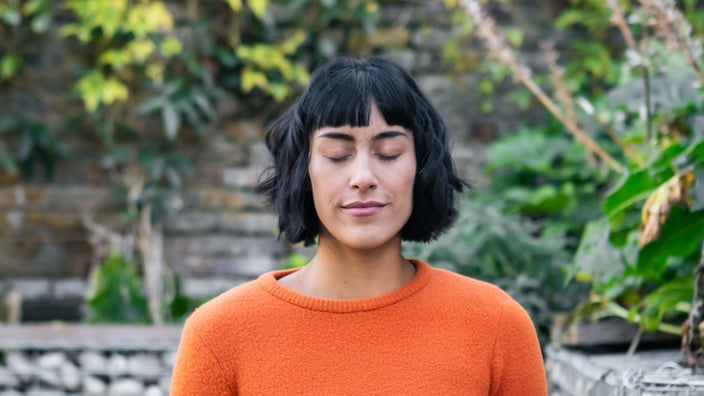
x: 363, y: 177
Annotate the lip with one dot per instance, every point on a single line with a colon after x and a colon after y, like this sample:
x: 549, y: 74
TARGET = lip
x: 363, y: 208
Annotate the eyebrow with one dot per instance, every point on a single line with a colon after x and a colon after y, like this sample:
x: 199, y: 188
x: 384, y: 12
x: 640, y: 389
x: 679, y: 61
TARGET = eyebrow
x: 350, y: 138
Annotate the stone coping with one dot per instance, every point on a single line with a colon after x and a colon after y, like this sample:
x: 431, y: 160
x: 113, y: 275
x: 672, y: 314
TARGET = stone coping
x: 86, y: 336
x: 573, y: 372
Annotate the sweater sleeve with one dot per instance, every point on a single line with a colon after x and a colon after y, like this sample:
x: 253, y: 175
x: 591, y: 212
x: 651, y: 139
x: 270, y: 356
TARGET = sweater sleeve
x: 518, y: 367
x: 197, y: 371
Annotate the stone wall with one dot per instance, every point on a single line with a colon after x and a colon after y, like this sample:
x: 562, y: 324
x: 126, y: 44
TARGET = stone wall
x: 55, y: 360
x: 610, y: 373
x: 223, y: 235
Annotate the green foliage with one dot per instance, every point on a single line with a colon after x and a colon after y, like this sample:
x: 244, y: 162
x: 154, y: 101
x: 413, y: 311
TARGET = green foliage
x: 639, y: 255
x: 550, y: 178
x: 642, y: 234
x: 509, y: 250
x: 115, y: 292
x: 148, y: 77
x: 34, y: 144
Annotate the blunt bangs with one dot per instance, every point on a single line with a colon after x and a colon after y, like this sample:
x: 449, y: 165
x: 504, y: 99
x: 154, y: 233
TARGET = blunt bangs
x: 343, y: 93
x: 340, y: 93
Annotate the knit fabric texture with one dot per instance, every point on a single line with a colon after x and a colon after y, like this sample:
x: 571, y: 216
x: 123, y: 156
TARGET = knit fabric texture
x: 440, y: 334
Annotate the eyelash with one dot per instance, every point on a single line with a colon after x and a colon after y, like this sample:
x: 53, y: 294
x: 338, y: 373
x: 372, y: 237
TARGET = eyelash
x: 385, y: 158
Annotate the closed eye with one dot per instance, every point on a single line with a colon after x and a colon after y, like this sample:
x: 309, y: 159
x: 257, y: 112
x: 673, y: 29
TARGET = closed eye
x: 338, y: 159
x: 388, y: 157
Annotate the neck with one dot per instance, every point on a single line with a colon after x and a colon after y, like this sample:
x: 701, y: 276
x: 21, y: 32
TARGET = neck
x: 348, y: 274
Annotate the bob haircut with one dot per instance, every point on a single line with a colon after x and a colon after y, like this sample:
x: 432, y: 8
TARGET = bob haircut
x: 341, y: 92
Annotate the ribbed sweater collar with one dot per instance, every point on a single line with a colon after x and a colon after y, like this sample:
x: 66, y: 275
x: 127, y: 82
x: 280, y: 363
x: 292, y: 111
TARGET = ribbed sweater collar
x: 421, y: 278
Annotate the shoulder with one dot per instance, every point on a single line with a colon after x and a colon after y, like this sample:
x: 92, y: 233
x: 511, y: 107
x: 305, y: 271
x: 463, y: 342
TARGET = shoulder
x: 225, y: 312
x: 475, y: 297
x: 464, y: 288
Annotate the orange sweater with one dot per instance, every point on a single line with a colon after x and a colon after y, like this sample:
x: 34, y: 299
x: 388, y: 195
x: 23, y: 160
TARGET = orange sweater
x: 440, y: 334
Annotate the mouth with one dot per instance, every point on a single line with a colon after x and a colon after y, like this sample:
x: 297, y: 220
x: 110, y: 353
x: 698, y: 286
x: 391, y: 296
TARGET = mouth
x: 360, y: 204
x: 362, y: 209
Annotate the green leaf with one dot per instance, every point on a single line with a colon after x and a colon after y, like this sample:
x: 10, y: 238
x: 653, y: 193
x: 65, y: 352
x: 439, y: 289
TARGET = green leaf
x: 114, y: 292
x: 7, y: 164
x: 596, y: 259
x: 152, y: 104
x: 33, y: 6
x: 680, y: 236
x: 11, y: 16
x: 10, y: 65
x: 697, y: 150
x: 514, y: 36
x: 258, y: 7
x: 41, y: 22
x: 203, y: 104
x: 634, y: 187
x: 171, y: 121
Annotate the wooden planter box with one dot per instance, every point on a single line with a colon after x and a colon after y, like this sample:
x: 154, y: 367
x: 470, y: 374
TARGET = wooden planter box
x: 608, y: 333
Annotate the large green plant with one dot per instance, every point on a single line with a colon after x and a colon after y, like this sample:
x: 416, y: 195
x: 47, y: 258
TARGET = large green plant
x: 639, y: 254
x: 509, y: 250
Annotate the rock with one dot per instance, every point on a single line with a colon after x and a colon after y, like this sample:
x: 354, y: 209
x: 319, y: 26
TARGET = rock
x: 52, y: 360
x: 48, y: 377
x: 93, y: 386
x: 36, y: 391
x: 154, y: 390
x: 145, y: 366
x: 19, y: 364
x: 126, y: 387
x: 117, y: 365
x: 168, y: 359
x: 70, y: 376
x: 165, y: 383
x: 92, y: 362
x: 7, y: 379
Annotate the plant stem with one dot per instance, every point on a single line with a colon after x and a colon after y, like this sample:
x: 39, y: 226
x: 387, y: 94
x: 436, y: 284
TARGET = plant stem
x: 502, y: 52
x: 572, y: 127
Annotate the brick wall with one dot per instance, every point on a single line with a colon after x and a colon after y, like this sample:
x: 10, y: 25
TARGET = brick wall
x: 223, y: 235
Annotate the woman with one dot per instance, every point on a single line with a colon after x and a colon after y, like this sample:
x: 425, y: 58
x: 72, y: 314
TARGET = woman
x: 361, y: 161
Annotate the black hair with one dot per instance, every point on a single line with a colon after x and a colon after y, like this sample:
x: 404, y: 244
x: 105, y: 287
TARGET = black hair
x: 340, y: 93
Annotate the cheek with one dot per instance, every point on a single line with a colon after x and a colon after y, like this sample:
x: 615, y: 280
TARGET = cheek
x: 320, y: 182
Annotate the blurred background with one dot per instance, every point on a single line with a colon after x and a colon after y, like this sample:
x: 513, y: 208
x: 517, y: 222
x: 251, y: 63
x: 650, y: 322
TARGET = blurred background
x: 131, y: 137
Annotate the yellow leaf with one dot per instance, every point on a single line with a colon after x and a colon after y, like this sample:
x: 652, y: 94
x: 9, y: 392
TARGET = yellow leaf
x: 291, y: 45
x: 95, y: 89
x: 657, y: 207
x: 155, y: 71
x: 144, y: 19
x: 236, y: 5
x: 115, y: 91
x: 170, y: 46
x: 258, y: 7
x: 278, y: 91
x: 89, y: 88
x: 141, y: 49
x: 116, y: 58
x: 253, y: 78
x: 583, y: 277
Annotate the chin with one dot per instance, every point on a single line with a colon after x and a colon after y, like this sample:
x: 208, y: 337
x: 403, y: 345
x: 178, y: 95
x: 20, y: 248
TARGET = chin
x: 367, y: 241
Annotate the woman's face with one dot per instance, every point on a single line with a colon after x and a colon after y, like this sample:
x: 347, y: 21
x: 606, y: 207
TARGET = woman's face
x: 362, y: 180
